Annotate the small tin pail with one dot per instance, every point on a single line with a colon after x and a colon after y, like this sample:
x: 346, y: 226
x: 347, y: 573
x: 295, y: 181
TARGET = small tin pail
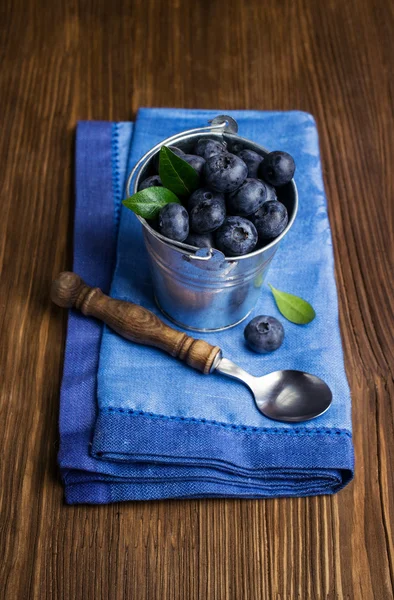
x: 201, y: 289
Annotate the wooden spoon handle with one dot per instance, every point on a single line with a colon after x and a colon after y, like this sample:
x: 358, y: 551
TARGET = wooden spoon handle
x: 133, y: 322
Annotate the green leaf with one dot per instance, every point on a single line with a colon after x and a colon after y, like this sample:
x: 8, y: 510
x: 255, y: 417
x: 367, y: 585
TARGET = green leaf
x: 292, y: 307
x: 176, y: 174
x: 147, y: 203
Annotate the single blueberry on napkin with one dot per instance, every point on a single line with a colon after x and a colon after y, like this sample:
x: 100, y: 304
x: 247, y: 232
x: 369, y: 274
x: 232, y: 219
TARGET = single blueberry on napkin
x: 162, y: 429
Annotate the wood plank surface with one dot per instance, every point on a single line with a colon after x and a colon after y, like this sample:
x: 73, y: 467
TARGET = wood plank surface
x: 98, y: 59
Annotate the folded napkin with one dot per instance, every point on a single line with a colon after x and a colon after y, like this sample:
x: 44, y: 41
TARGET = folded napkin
x: 155, y: 428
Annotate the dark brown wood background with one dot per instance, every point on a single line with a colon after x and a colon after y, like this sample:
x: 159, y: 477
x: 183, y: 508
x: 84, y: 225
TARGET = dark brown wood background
x: 101, y: 59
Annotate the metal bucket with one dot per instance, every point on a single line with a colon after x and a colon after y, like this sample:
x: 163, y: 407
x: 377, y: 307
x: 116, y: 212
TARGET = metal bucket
x: 201, y: 289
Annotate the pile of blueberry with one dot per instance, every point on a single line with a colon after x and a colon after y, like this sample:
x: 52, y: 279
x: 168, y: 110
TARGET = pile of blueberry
x: 236, y: 209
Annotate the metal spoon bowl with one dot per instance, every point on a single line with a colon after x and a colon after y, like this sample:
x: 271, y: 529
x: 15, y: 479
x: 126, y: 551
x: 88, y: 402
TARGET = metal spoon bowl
x: 289, y: 396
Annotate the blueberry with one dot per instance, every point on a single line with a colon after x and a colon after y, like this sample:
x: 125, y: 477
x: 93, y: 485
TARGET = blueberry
x: 252, y: 160
x: 174, y: 222
x: 208, y: 148
x: 272, y: 220
x: 225, y: 172
x: 237, y: 236
x: 207, y: 215
x: 271, y: 197
x: 204, y: 194
x: 197, y: 162
x: 248, y: 198
x: 271, y: 192
x: 153, y: 181
x: 264, y: 334
x: 175, y: 149
x: 277, y: 168
x: 235, y: 147
x: 201, y: 240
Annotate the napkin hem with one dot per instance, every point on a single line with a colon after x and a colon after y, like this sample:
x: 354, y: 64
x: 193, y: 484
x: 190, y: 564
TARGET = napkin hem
x: 100, y: 492
x: 134, y: 438
x: 297, y: 430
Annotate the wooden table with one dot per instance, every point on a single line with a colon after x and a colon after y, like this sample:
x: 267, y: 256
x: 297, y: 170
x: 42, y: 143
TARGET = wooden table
x: 101, y: 59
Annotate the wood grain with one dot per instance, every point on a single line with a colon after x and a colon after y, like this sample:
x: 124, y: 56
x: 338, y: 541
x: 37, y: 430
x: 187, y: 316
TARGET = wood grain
x: 63, y: 61
x: 132, y: 321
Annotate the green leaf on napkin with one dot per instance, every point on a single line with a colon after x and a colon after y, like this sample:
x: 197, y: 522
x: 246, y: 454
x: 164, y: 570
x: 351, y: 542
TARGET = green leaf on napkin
x: 292, y: 307
x: 176, y: 174
x: 147, y: 203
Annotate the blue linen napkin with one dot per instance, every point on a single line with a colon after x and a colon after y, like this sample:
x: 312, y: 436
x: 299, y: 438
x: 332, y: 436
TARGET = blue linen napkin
x: 163, y: 430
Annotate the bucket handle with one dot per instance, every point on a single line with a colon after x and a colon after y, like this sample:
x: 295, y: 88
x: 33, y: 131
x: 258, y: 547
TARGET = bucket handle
x: 210, y: 259
x: 196, y: 257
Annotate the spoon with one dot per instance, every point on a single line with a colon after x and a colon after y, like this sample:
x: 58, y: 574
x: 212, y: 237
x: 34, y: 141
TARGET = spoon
x: 289, y: 396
